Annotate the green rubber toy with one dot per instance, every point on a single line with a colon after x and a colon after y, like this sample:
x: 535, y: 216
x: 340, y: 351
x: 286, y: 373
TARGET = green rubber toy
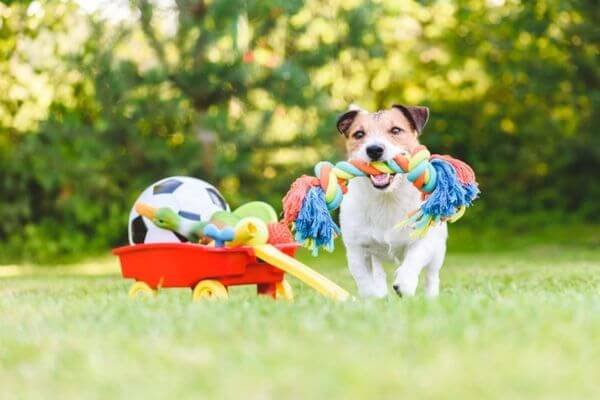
x: 224, y: 218
x: 257, y: 209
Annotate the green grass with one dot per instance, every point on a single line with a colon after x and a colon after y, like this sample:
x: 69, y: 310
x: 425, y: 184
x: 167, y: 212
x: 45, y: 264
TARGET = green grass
x: 521, y: 324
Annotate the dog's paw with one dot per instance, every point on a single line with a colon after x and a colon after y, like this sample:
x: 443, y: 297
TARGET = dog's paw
x: 405, y: 283
x: 372, y: 292
x: 380, y: 292
x: 432, y: 290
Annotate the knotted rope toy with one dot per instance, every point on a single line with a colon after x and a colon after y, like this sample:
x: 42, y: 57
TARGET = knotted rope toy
x: 448, y: 187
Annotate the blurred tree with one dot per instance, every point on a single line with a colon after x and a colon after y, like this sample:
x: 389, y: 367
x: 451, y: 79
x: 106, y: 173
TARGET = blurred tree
x: 32, y: 77
x: 534, y: 128
x: 246, y: 67
x: 129, y: 119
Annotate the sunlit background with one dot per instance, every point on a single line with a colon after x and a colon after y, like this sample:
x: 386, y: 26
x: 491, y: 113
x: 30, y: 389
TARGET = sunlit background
x: 100, y: 98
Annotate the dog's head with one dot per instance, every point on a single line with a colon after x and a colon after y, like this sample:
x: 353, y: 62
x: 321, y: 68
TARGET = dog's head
x: 382, y: 135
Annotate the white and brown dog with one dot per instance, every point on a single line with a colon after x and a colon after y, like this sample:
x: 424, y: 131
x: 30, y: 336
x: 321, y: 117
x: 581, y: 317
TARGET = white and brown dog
x: 373, y: 206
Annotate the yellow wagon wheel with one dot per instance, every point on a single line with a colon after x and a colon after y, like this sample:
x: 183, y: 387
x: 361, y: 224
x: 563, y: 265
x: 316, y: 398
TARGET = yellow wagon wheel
x: 141, y: 289
x: 283, y: 290
x: 209, y: 290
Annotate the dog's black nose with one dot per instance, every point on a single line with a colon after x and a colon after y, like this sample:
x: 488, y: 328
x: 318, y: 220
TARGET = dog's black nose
x: 375, y: 152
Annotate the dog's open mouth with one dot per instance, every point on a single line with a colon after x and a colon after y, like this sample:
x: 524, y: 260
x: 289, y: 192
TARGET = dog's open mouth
x: 381, y: 181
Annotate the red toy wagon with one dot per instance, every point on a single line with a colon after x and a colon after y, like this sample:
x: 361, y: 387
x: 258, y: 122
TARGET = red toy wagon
x: 207, y: 270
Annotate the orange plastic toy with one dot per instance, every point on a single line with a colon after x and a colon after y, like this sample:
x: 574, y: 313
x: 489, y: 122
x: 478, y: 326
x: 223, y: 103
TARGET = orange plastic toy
x: 207, y: 270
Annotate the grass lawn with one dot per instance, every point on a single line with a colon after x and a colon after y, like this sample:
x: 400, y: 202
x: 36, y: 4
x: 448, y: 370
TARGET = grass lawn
x: 508, y: 325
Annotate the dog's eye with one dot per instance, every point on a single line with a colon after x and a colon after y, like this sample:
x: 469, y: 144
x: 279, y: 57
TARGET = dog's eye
x: 358, y: 135
x: 395, y: 130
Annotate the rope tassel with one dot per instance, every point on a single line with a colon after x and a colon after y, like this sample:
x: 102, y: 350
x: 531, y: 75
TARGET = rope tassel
x: 448, y: 186
x: 314, y: 226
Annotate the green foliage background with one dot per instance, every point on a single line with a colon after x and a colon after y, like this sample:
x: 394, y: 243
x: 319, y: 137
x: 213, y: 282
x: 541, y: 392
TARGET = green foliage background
x: 245, y: 93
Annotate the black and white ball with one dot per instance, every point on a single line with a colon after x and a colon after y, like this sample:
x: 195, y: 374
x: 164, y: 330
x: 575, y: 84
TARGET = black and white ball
x: 192, y: 198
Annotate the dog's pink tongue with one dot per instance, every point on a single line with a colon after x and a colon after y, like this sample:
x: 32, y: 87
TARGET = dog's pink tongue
x: 380, y: 179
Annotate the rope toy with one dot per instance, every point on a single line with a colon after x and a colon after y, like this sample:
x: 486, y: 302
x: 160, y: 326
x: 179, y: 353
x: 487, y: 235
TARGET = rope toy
x: 448, y: 187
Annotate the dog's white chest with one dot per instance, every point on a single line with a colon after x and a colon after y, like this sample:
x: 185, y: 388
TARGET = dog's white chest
x: 369, y: 217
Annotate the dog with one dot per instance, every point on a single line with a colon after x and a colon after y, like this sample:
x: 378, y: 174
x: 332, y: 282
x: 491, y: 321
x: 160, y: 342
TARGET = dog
x: 373, y: 206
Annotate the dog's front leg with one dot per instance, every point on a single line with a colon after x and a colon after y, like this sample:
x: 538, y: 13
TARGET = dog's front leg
x: 417, y: 256
x: 432, y: 277
x: 379, y: 277
x: 359, y: 263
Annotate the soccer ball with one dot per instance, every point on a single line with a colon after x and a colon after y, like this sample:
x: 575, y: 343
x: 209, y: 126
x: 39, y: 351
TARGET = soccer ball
x: 193, y: 199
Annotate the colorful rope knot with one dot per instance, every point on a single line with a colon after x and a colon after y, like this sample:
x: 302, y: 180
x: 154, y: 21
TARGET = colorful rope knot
x: 420, y: 170
x: 448, y: 186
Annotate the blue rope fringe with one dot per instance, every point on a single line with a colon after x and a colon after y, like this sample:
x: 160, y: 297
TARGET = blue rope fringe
x: 315, y: 226
x: 449, y: 194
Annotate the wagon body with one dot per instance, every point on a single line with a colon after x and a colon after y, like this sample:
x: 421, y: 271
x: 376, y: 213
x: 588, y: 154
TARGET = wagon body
x: 172, y: 265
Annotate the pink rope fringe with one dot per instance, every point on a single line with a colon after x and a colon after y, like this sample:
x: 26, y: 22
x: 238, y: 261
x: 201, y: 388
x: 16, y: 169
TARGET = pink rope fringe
x: 464, y: 172
x: 292, y: 202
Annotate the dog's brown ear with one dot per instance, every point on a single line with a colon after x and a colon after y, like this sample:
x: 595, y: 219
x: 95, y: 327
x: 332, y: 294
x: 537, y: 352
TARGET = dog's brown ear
x: 416, y: 115
x: 345, y: 121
